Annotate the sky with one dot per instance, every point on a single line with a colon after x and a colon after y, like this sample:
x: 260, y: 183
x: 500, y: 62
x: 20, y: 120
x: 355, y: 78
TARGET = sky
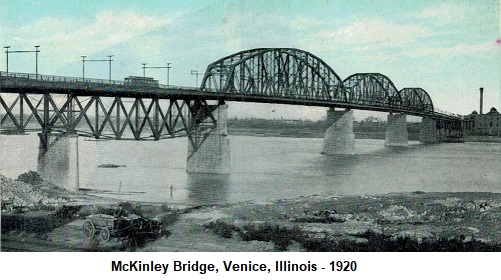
x: 448, y: 48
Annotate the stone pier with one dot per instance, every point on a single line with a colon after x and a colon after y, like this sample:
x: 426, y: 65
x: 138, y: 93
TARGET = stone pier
x: 428, y: 132
x: 396, y: 131
x: 213, y: 155
x: 59, y: 164
x: 339, y: 138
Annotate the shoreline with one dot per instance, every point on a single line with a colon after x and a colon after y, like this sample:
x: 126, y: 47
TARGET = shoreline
x: 423, y: 221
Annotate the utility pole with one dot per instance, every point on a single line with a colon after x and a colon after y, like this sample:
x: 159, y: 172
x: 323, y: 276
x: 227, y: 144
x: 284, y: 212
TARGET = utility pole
x: 158, y: 67
x: 110, y: 56
x: 36, y: 51
x: 195, y: 72
x: 7, y: 52
x: 36, y: 59
x: 168, y: 67
x: 83, y: 67
x: 95, y: 60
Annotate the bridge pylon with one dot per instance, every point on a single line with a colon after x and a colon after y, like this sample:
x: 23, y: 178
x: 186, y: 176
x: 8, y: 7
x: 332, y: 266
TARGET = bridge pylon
x: 208, y: 144
x: 428, y: 131
x: 339, y: 138
x: 396, y: 134
x: 58, y: 159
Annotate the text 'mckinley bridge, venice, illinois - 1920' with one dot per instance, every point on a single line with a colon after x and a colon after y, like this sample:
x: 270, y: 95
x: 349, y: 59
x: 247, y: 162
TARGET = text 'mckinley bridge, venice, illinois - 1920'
x: 59, y: 108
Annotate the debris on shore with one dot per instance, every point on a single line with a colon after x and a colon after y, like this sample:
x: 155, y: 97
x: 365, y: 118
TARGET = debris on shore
x: 29, y: 192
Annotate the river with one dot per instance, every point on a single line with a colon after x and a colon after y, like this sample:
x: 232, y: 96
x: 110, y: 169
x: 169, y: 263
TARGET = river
x: 268, y: 168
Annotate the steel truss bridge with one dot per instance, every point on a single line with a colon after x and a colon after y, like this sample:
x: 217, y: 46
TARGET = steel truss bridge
x: 116, y: 110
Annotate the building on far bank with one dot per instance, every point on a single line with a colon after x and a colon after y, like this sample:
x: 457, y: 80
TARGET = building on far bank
x: 485, y: 124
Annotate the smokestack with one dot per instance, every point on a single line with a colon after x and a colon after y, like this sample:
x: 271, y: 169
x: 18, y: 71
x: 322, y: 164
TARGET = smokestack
x: 481, y: 100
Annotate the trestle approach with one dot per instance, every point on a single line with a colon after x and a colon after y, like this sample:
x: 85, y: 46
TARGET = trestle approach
x: 60, y: 118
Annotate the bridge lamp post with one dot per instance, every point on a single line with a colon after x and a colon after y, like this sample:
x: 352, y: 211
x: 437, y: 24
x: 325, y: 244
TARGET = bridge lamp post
x: 7, y: 52
x: 144, y: 69
x: 195, y: 72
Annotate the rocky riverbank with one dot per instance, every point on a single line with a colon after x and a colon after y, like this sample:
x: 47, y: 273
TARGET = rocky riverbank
x: 391, y: 222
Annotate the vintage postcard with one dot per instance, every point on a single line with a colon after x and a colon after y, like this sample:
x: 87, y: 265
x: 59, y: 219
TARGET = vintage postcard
x: 250, y: 126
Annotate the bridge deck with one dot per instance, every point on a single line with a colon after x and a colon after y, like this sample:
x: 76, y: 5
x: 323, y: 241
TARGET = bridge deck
x: 39, y: 84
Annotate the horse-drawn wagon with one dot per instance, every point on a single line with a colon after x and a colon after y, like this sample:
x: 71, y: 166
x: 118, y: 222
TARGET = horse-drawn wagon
x: 125, y: 225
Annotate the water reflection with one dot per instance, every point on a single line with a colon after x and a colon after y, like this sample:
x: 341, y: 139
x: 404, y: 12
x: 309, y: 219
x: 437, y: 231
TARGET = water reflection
x: 208, y: 188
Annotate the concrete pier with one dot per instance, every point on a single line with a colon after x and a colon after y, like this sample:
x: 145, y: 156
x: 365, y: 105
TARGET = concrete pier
x: 428, y: 132
x: 213, y: 155
x: 59, y: 164
x: 339, y: 138
x: 396, y: 131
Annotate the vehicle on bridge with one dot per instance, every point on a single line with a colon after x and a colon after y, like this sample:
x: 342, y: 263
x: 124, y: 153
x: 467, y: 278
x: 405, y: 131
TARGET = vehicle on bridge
x: 141, y: 81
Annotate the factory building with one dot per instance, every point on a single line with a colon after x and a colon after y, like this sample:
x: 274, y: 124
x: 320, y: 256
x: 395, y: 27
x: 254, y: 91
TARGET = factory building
x: 488, y: 124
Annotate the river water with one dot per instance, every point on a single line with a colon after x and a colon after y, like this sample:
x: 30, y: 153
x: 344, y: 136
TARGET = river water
x: 267, y: 168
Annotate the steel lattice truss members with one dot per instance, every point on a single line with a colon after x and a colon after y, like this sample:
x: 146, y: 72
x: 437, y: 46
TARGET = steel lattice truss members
x: 104, y: 117
x: 283, y: 72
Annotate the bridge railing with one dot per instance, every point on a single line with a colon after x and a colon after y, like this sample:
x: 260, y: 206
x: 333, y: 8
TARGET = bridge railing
x: 446, y: 114
x: 56, y: 79
x: 40, y: 79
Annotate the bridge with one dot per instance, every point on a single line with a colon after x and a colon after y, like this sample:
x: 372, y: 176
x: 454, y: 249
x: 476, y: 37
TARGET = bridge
x: 60, y: 107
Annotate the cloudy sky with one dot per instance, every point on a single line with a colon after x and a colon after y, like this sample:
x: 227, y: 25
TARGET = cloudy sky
x: 449, y: 48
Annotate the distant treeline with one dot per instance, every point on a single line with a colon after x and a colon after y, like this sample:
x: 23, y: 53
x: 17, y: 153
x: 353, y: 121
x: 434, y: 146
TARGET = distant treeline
x: 308, y: 128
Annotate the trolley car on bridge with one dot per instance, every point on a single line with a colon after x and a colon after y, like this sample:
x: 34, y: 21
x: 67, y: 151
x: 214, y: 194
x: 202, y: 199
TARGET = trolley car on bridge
x: 140, y: 81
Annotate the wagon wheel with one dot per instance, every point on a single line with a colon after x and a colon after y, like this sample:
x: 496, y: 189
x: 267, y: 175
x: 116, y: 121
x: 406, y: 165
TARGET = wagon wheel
x: 105, y: 234
x: 89, y: 229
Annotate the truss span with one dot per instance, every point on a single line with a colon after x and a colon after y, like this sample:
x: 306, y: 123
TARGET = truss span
x: 293, y: 74
x: 377, y: 90
x: 372, y: 89
x: 416, y: 99
x: 274, y: 72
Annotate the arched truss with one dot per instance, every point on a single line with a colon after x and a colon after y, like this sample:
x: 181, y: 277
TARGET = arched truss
x: 372, y: 89
x: 416, y: 99
x: 276, y: 72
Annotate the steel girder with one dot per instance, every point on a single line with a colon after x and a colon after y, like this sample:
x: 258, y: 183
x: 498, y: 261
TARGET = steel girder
x: 274, y: 72
x: 116, y: 118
